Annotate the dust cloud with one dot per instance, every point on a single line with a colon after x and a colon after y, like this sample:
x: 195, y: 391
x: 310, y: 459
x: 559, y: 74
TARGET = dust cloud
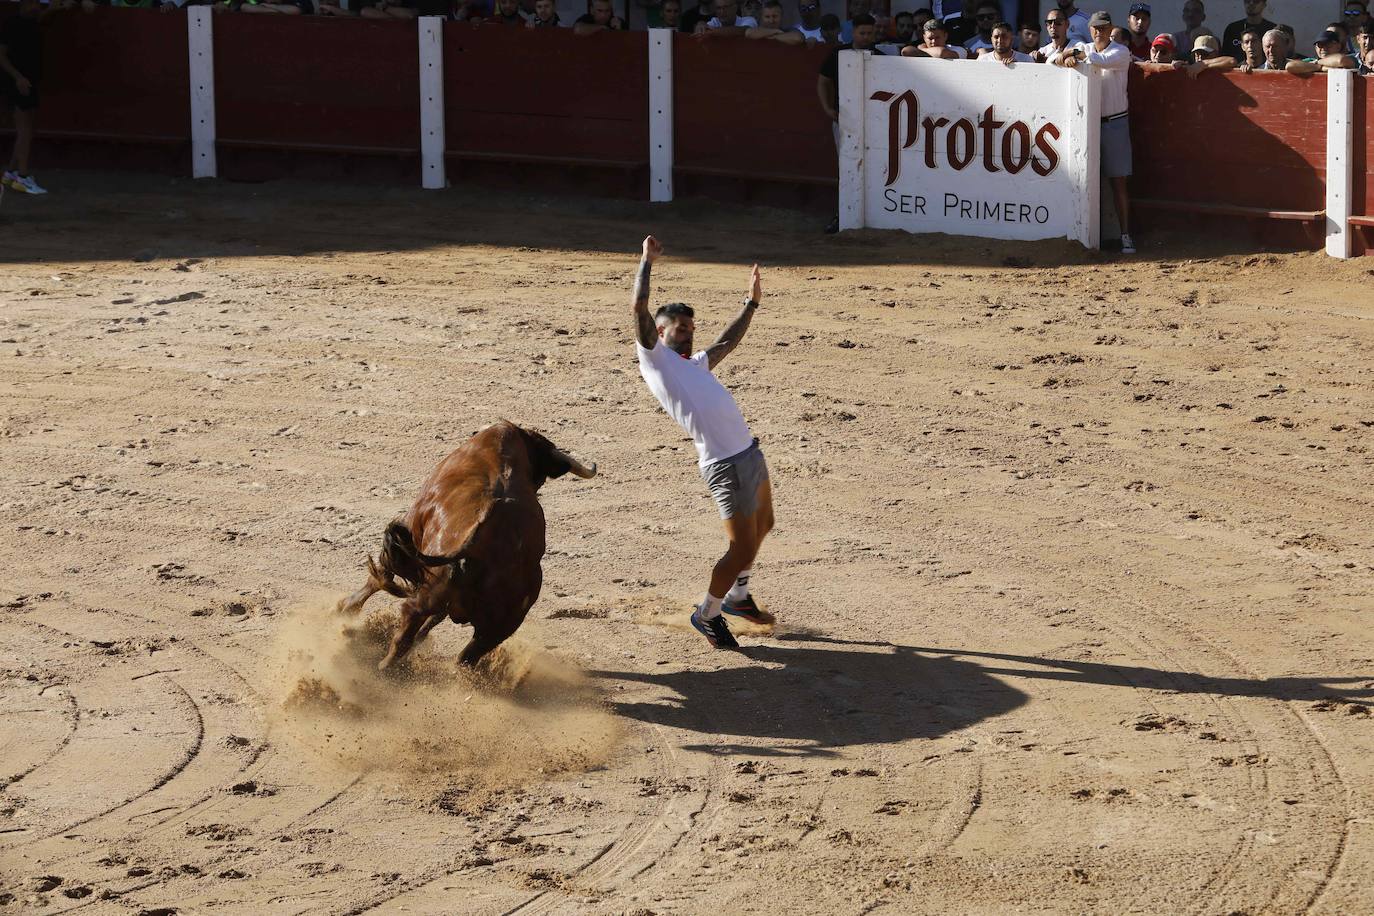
x: 524, y: 714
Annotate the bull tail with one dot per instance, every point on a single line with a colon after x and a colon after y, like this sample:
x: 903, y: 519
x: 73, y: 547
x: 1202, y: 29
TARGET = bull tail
x: 401, y: 559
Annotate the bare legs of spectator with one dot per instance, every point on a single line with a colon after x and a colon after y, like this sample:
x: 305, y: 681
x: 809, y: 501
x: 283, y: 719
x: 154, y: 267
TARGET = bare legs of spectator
x: 23, y: 141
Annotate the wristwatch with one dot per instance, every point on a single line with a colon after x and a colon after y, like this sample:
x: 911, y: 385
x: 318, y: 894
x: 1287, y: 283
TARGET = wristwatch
x: 750, y: 303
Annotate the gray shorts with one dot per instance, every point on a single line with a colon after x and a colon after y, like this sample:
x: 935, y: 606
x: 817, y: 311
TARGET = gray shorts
x: 734, y: 482
x: 1116, y: 148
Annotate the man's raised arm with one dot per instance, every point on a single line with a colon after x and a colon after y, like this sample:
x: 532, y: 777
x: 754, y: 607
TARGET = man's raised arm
x: 644, y: 322
x: 734, y: 333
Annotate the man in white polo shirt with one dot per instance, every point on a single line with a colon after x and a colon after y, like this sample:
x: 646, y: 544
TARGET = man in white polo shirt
x: 1111, y: 66
x: 729, y: 456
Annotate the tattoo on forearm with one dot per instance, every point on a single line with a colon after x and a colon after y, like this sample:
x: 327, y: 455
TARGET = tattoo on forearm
x: 648, y: 333
x: 642, y: 281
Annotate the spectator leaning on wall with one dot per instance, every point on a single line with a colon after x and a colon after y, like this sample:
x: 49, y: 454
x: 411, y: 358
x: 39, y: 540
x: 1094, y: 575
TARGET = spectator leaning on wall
x: 770, y: 26
x: 810, y: 25
x: 1275, y: 47
x: 935, y: 44
x: 1002, y: 51
x: 1252, y: 50
x: 1028, y: 38
x: 1364, y: 44
x: 21, y: 62
x: 1057, y: 30
x: 1110, y: 67
x: 1327, y: 54
x: 830, y: 29
x: 507, y: 13
x: 1207, y: 56
x: 546, y: 14
x: 1162, y: 50
x: 828, y: 82
x: 727, y: 22
x: 1254, y: 19
x: 601, y: 18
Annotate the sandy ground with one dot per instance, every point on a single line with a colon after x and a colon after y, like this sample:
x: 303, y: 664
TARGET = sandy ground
x: 1073, y: 568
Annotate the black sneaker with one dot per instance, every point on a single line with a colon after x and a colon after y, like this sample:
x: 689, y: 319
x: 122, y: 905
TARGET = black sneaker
x: 749, y: 610
x: 833, y: 226
x: 715, y: 630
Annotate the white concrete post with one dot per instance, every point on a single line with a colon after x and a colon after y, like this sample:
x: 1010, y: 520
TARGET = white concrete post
x: 852, y: 146
x: 432, y: 136
x: 1340, y: 160
x: 661, y: 115
x: 200, y: 45
x: 1085, y: 163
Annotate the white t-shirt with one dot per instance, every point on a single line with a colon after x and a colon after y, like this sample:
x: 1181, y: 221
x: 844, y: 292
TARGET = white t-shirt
x: 747, y: 22
x: 1052, y: 53
x: 1017, y: 57
x: 976, y: 44
x: 1079, y: 30
x: 813, y: 34
x: 696, y: 399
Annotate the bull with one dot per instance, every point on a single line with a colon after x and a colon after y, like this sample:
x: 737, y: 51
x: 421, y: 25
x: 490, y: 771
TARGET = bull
x: 470, y: 547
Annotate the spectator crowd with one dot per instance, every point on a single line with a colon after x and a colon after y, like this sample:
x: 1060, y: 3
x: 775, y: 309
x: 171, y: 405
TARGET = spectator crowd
x: 976, y: 30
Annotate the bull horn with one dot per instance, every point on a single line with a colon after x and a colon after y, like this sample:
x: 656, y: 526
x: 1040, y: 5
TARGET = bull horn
x: 577, y: 467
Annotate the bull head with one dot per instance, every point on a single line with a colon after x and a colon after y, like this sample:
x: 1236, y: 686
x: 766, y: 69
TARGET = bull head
x: 548, y: 460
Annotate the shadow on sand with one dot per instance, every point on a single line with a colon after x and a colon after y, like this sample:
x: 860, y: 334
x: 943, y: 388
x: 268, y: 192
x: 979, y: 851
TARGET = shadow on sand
x: 812, y: 694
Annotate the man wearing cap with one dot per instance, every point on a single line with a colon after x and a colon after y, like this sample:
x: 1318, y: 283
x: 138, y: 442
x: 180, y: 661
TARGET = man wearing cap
x: 1162, y: 50
x: 1057, y: 30
x: 1111, y: 65
x: 1327, y: 54
x: 1254, y: 19
x: 1138, y: 31
x: 1207, y: 56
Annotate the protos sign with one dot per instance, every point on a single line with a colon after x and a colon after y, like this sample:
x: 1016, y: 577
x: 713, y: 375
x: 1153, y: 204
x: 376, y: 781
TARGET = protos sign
x: 968, y: 148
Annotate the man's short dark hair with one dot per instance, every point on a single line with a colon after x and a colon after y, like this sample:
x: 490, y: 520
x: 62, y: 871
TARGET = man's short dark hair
x: 1030, y: 24
x: 907, y: 13
x: 830, y: 21
x: 863, y: 19
x: 1365, y: 28
x: 925, y: 11
x: 1004, y: 25
x: 674, y: 311
x: 770, y: 4
x: 1253, y: 30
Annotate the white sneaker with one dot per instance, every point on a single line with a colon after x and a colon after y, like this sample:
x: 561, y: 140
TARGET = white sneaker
x: 23, y: 183
x: 1127, y: 245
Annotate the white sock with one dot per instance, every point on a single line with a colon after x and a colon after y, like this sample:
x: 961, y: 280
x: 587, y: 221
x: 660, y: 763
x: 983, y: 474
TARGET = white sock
x: 740, y: 590
x: 710, y: 606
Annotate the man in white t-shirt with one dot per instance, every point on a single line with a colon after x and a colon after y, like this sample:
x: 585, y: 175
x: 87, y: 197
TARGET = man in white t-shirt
x: 1002, y: 51
x: 729, y: 457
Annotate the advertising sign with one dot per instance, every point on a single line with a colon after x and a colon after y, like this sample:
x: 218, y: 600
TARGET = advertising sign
x: 968, y: 148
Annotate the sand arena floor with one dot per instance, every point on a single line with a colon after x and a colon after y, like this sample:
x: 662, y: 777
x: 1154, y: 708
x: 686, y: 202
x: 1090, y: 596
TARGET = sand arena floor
x: 1073, y: 567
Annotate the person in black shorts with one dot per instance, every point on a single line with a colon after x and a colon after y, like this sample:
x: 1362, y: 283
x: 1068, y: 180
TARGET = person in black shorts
x: 21, y: 59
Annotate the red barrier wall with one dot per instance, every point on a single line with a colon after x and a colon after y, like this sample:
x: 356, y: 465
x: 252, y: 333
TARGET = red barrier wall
x: 546, y: 93
x: 750, y: 108
x: 113, y: 75
x: 1256, y: 140
x: 1364, y: 162
x: 310, y: 82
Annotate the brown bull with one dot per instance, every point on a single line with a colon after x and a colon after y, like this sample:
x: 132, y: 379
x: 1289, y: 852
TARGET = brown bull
x: 470, y: 547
